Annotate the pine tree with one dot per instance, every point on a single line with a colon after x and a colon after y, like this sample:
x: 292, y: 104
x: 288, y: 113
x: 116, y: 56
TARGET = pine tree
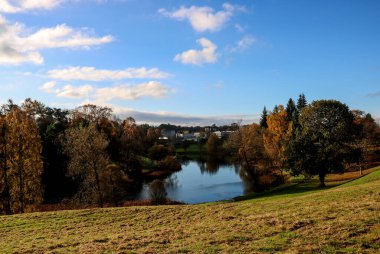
x: 291, y: 111
x: 263, y: 119
x: 302, y: 102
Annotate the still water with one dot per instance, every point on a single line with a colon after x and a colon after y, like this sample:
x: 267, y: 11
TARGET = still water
x: 200, y: 182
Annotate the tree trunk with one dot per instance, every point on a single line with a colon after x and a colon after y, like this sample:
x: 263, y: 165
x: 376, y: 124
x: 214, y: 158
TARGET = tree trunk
x: 98, y: 185
x: 6, y: 194
x: 21, y: 180
x: 322, y: 180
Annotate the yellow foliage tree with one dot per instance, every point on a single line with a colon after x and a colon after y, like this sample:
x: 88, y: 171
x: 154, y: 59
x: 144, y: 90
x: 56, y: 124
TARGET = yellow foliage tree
x: 21, y: 151
x: 277, y: 136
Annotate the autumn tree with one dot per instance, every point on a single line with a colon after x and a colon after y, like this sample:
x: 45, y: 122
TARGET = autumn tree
x: 51, y: 123
x: 367, y: 135
x: 5, y: 205
x: 213, y: 145
x: 252, y: 154
x: 89, y: 113
x: 114, y: 184
x: 276, y: 138
x: 21, y: 162
x: 132, y: 144
x: 251, y: 149
x: 151, y: 136
x: 86, y: 148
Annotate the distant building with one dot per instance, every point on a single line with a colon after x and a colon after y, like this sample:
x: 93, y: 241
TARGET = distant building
x: 186, y: 136
x: 189, y: 136
x: 170, y: 134
x: 223, y: 134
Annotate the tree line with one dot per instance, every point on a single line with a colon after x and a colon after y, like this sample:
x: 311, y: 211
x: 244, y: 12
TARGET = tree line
x: 87, y: 156
x: 322, y: 137
x: 82, y: 156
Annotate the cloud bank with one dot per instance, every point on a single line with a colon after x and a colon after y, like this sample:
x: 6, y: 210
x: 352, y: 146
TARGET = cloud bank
x: 18, y: 45
x: 156, y: 118
x: 152, y: 89
x: 93, y: 74
x: 17, y: 6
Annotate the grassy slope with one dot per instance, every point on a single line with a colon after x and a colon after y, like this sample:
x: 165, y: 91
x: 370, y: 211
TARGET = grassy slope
x: 344, y: 218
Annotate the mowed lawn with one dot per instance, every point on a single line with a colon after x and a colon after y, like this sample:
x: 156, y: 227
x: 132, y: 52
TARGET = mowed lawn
x: 343, y: 219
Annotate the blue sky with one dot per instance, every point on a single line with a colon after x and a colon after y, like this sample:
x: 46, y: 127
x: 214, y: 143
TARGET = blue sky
x: 190, y: 62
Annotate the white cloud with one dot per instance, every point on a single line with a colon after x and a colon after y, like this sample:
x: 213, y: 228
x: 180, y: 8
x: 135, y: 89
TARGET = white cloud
x: 62, y: 36
x: 151, y: 89
x: 48, y: 87
x: 18, y: 46
x: 75, y: 92
x: 198, y: 57
x: 16, y: 6
x: 93, y: 74
x: 244, y: 43
x: 203, y: 18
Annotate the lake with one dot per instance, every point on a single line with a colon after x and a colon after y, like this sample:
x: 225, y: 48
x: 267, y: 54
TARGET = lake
x: 200, y: 182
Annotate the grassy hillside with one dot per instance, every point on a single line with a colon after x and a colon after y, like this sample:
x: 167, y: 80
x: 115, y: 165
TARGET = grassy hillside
x: 344, y: 219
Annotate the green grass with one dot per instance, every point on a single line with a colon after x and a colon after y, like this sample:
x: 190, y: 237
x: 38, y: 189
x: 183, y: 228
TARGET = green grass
x: 343, y: 219
x: 373, y: 177
x: 192, y: 149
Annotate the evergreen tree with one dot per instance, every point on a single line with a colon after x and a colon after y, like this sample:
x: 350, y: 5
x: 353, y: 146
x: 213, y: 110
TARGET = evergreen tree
x: 291, y: 111
x: 263, y: 119
x: 302, y: 102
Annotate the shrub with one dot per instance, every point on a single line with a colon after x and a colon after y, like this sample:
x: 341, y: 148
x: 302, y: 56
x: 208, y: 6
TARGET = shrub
x: 157, y: 192
x: 158, y: 152
x: 170, y: 163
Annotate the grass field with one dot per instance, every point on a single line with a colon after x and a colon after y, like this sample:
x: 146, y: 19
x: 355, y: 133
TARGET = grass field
x: 192, y: 149
x: 339, y: 219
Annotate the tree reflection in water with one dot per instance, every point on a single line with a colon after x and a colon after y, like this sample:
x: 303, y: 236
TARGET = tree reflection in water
x: 250, y: 179
x: 172, y: 182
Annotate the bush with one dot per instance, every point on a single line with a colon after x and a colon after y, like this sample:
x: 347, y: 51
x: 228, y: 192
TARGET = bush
x: 157, y: 192
x: 170, y: 163
x: 158, y: 152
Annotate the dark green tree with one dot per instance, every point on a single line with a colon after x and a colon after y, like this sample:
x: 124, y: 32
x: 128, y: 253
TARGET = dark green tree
x: 322, y: 143
x: 263, y: 119
x: 302, y: 102
x: 292, y: 112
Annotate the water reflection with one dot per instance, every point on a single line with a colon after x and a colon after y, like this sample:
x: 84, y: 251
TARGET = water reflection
x: 205, y: 180
x: 249, y: 179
